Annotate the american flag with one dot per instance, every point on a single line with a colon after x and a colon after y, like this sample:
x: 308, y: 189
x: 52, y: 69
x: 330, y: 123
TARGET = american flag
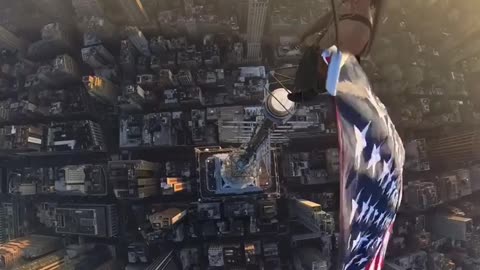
x: 371, y: 165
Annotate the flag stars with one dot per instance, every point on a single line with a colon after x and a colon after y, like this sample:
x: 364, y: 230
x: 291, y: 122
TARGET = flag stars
x: 374, y: 158
x: 364, y: 210
x: 358, y: 242
x: 354, y: 210
x: 369, y: 217
x: 362, y: 261
x: 361, y: 143
x: 380, y: 219
x: 391, y: 190
x: 356, y: 257
x: 387, y: 167
x: 388, y: 181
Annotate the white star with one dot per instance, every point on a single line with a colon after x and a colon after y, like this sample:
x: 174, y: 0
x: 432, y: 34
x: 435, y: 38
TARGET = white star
x: 387, y: 167
x: 379, y: 242
x: 380, y: 219
x: 351, y: 261
x: 388, y: 221
x: 355, y: 242
x: 358, y: 195
x: 369, y: 217
x: 365, y: 206
x: 354, y: 210
x: 388, y: 182
x: 392, y: 190
x: 361, y: 143
x: 374, y: 158
x: 361, y: 238
x: 370, y: 243
x: 362, y: 261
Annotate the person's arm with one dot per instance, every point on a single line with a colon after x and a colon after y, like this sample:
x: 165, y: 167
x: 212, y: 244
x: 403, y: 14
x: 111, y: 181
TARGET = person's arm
x: 355, y: 27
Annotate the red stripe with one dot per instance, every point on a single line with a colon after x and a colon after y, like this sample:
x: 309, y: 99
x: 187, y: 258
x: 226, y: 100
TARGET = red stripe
x: 379, y: 259
x: 343, y: 235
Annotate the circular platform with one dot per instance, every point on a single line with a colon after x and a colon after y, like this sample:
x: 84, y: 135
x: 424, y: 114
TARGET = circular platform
x: 278, y: 107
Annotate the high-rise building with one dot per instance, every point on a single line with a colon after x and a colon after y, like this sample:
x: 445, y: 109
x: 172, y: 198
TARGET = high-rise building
x: 185, y: 78
x: 457, y: 149
x: 191, y: 26
x: 468, y: 50
x: 58, y: 10
x: 29, y: 247
x: 465, y: 32
x: 310, y: 258
x: 99, y: 220
x: 257, y: 13
x: 138, y: 40
x: 127, y: 60
x: 88, y: 8
x: 311, y: 215
x: 167, y: 218
x: 3, y: 225
x: 133, y: 179
x: 97, y: 56
x: 101, y: 89
x: 188, y: 5
x: 65, y: 69
x: 241, y: 7
x: 9, y: 41
x: 96, y: 30
x: 134, y: 11
x: 236, y: 54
